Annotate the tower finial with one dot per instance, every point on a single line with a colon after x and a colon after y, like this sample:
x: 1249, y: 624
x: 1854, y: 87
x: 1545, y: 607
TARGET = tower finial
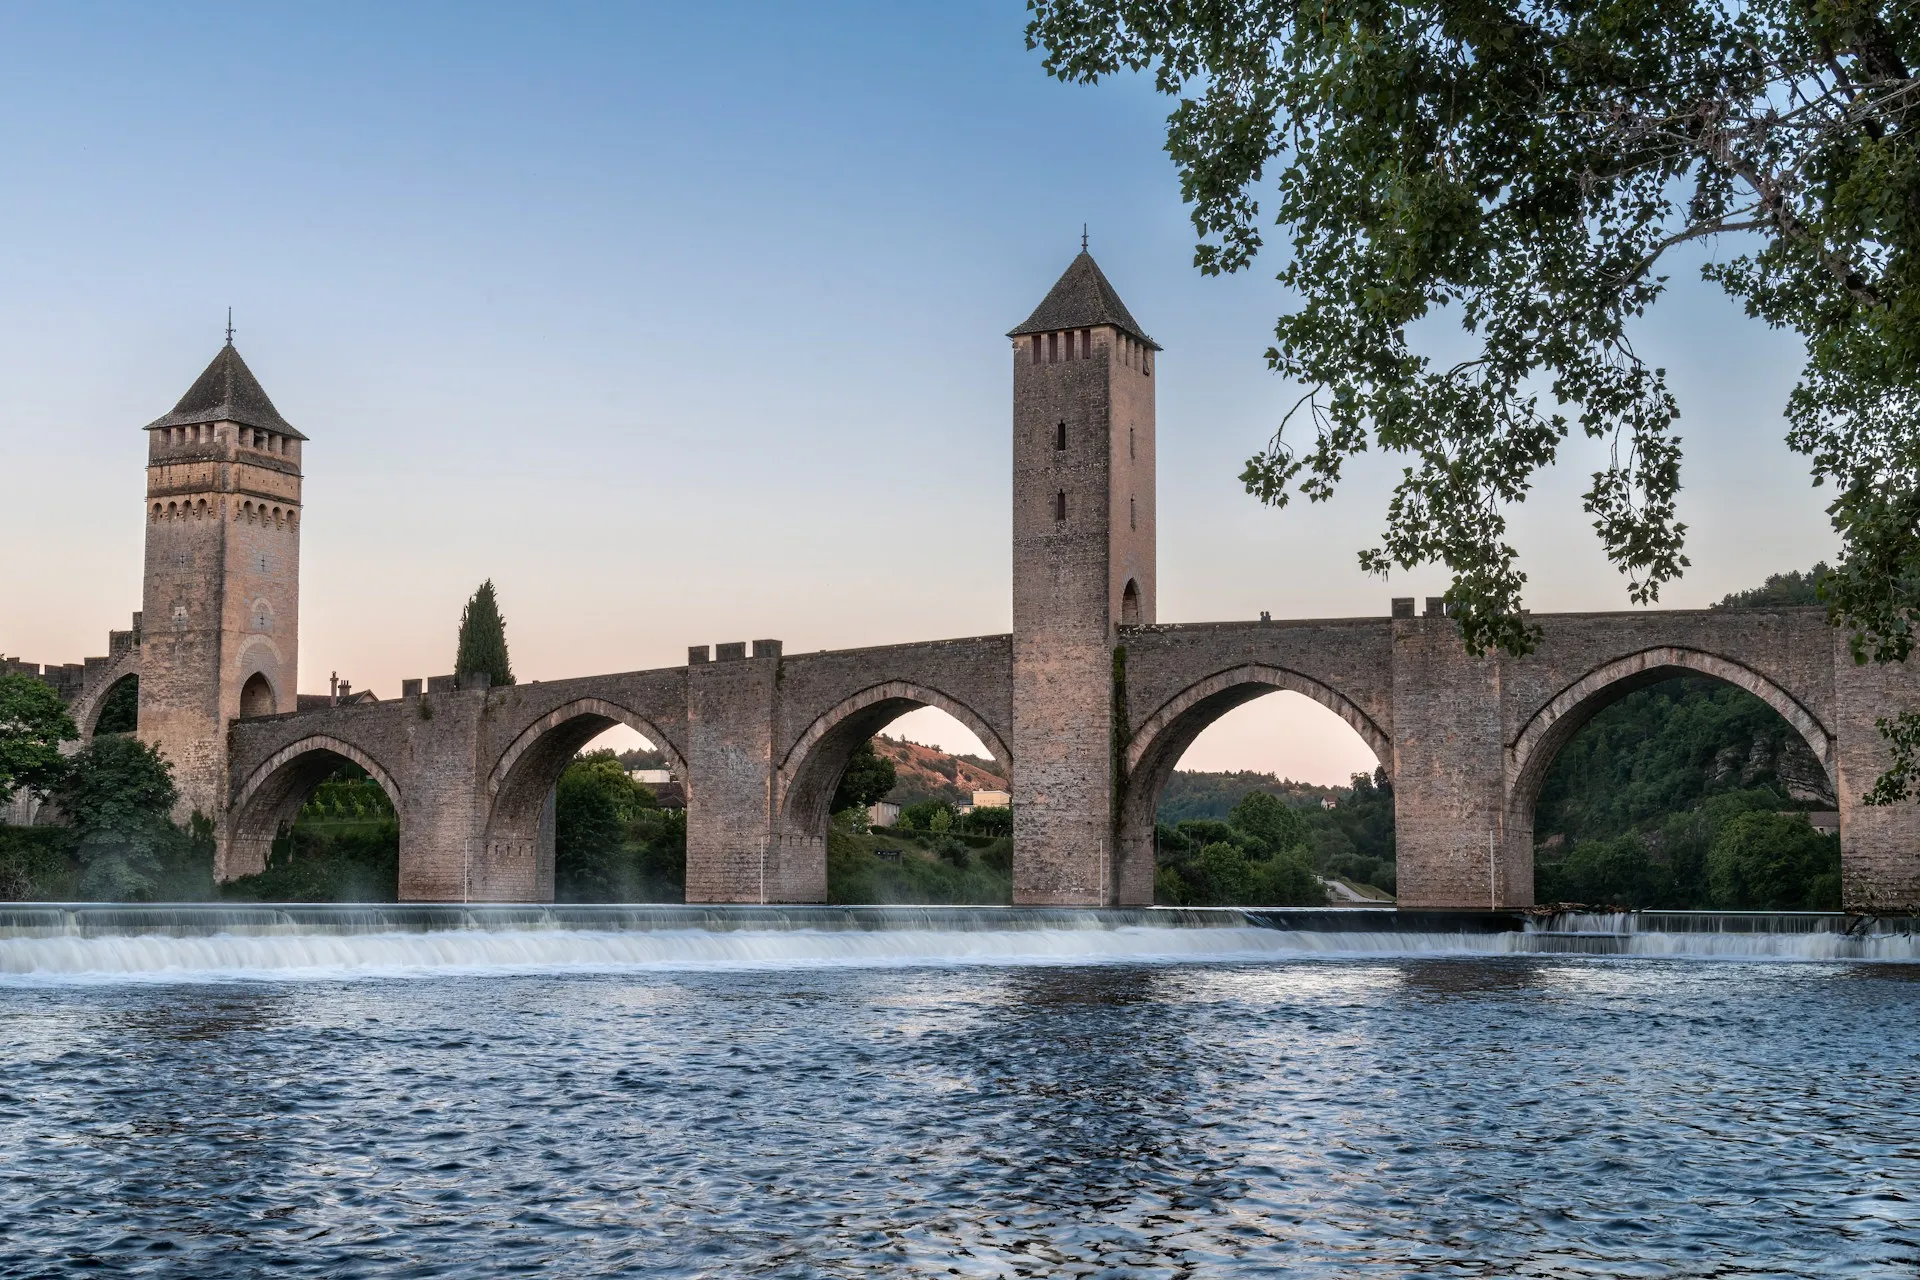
x: 230, y: 323
x: 1083, y: 249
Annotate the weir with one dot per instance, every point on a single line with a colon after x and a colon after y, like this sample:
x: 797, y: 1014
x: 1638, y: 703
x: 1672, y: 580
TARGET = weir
x: 199, y: 942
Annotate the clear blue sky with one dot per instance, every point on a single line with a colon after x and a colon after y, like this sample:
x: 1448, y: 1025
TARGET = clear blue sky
x: 682, y: 323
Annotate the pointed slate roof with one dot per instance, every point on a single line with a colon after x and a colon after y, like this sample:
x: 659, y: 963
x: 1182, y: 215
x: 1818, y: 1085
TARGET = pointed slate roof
x: 227, y: 392
x: 1081, y: 299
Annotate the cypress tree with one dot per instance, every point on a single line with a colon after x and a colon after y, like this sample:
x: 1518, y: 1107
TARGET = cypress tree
x: 483, y: 638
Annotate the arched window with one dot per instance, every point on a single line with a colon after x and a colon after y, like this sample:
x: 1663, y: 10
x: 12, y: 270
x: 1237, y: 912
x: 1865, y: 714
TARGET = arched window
x: 1130, y: 604
x: 1060, y: 437
x: 256, y: 696
x: 262, y: 616
x: 1060, y: 505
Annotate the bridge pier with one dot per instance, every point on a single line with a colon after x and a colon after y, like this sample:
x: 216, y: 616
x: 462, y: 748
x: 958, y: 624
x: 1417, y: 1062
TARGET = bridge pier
x: 731, y: 713
x: 1453, y: 839
x: 1879, y: 844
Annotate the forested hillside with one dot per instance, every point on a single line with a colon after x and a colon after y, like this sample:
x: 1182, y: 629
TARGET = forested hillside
x: 1681, y: 778
x: 1213, y: 795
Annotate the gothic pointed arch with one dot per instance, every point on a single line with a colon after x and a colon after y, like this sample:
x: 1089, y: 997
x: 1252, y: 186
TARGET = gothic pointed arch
x: 1533, y: 748
x: 266, y: 801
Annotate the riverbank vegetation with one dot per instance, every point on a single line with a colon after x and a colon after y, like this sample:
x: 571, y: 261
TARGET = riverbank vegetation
x: 933, y: 854
x: 612, y: 840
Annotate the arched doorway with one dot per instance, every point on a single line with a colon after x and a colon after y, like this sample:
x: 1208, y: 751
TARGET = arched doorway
x: 1130, y: 604
x: 269, y: 802
x: 1346, y: 739
x: 811, y: 771
x: 518, y: 862
x: 1637, y: 769
x: 256, y: 697
x: 119, y: 707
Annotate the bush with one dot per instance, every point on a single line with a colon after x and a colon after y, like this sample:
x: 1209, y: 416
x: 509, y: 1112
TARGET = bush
x: 1616, y: 873
x: 117, y: 794
x: 321, y: 861
x: 855, y: 873
x: 1774, y: 862
x: 928, y: 815
x: 986, y: 822
x: 612, y: 840
x: 36, y: 865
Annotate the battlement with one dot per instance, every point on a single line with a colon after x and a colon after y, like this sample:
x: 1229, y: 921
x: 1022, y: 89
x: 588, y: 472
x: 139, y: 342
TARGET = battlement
x: 73, y: 679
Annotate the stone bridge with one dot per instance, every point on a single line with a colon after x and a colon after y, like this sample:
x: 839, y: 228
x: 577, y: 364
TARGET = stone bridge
x: 1088, y: 703
x: 761, y: 739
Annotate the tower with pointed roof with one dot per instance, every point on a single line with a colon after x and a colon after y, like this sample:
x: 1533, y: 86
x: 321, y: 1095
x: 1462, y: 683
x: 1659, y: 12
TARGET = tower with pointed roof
x: 1083, y: 571
x: 221, y: 597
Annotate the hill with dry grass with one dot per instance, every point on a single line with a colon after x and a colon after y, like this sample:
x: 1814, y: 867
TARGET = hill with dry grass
x: 928, y: 773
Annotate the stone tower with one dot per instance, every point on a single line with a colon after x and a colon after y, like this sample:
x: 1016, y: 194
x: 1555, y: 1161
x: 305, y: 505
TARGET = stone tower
x: 221, y: 616
x: 1083, y: 567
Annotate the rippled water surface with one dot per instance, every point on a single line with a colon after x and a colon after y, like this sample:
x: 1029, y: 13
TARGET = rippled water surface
x: 1503, y: 1116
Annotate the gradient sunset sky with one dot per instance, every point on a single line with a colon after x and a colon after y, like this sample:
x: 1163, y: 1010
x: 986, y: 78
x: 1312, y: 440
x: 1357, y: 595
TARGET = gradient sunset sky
x: 683, y: 324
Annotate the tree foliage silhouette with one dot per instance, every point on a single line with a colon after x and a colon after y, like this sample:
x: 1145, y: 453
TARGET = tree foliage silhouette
x: 483, y: 638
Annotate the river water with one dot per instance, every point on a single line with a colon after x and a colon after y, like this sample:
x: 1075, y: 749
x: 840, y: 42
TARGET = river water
x: 1117, y: 1103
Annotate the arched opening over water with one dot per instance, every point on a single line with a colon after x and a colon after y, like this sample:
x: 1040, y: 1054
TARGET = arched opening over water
x: 357, y: 817
x: 1624, y: 783
x: 869, y: 867
x: 527, y: 832
x: 119, y: 707
x: 1253, y: 720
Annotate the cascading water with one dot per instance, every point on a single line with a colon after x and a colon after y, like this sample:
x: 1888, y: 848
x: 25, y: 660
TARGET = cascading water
x: 58, y: 943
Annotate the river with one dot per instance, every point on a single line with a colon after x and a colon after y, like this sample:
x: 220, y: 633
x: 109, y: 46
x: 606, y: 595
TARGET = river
x: 1173, y: 1102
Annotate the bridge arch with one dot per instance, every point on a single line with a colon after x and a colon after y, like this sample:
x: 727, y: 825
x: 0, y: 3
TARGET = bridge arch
x: 1532, y: 751
x: 268, y: 799
x: 811, y: 769
x: 519, y: 829
x: 1164, y: 736
x: 86, y: 708
x: 1548, y: 729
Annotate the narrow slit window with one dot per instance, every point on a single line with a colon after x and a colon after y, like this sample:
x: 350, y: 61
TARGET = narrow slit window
x: 1129, y: 442
x: 1130, y: 514
x: 1060, y: 437
x: 1060, y: 505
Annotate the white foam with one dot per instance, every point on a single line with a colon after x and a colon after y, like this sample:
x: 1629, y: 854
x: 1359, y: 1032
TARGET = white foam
x: 334, y: 955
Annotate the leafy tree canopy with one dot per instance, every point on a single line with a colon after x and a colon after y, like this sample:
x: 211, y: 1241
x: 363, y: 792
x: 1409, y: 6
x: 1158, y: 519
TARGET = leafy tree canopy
x: 1270, y: 822
x: 117, y: 795
x: 1782, y: 590
x: 33, y: 724
x: 869, y: 777
x: 1524, y: 167
x: 483, y: 638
